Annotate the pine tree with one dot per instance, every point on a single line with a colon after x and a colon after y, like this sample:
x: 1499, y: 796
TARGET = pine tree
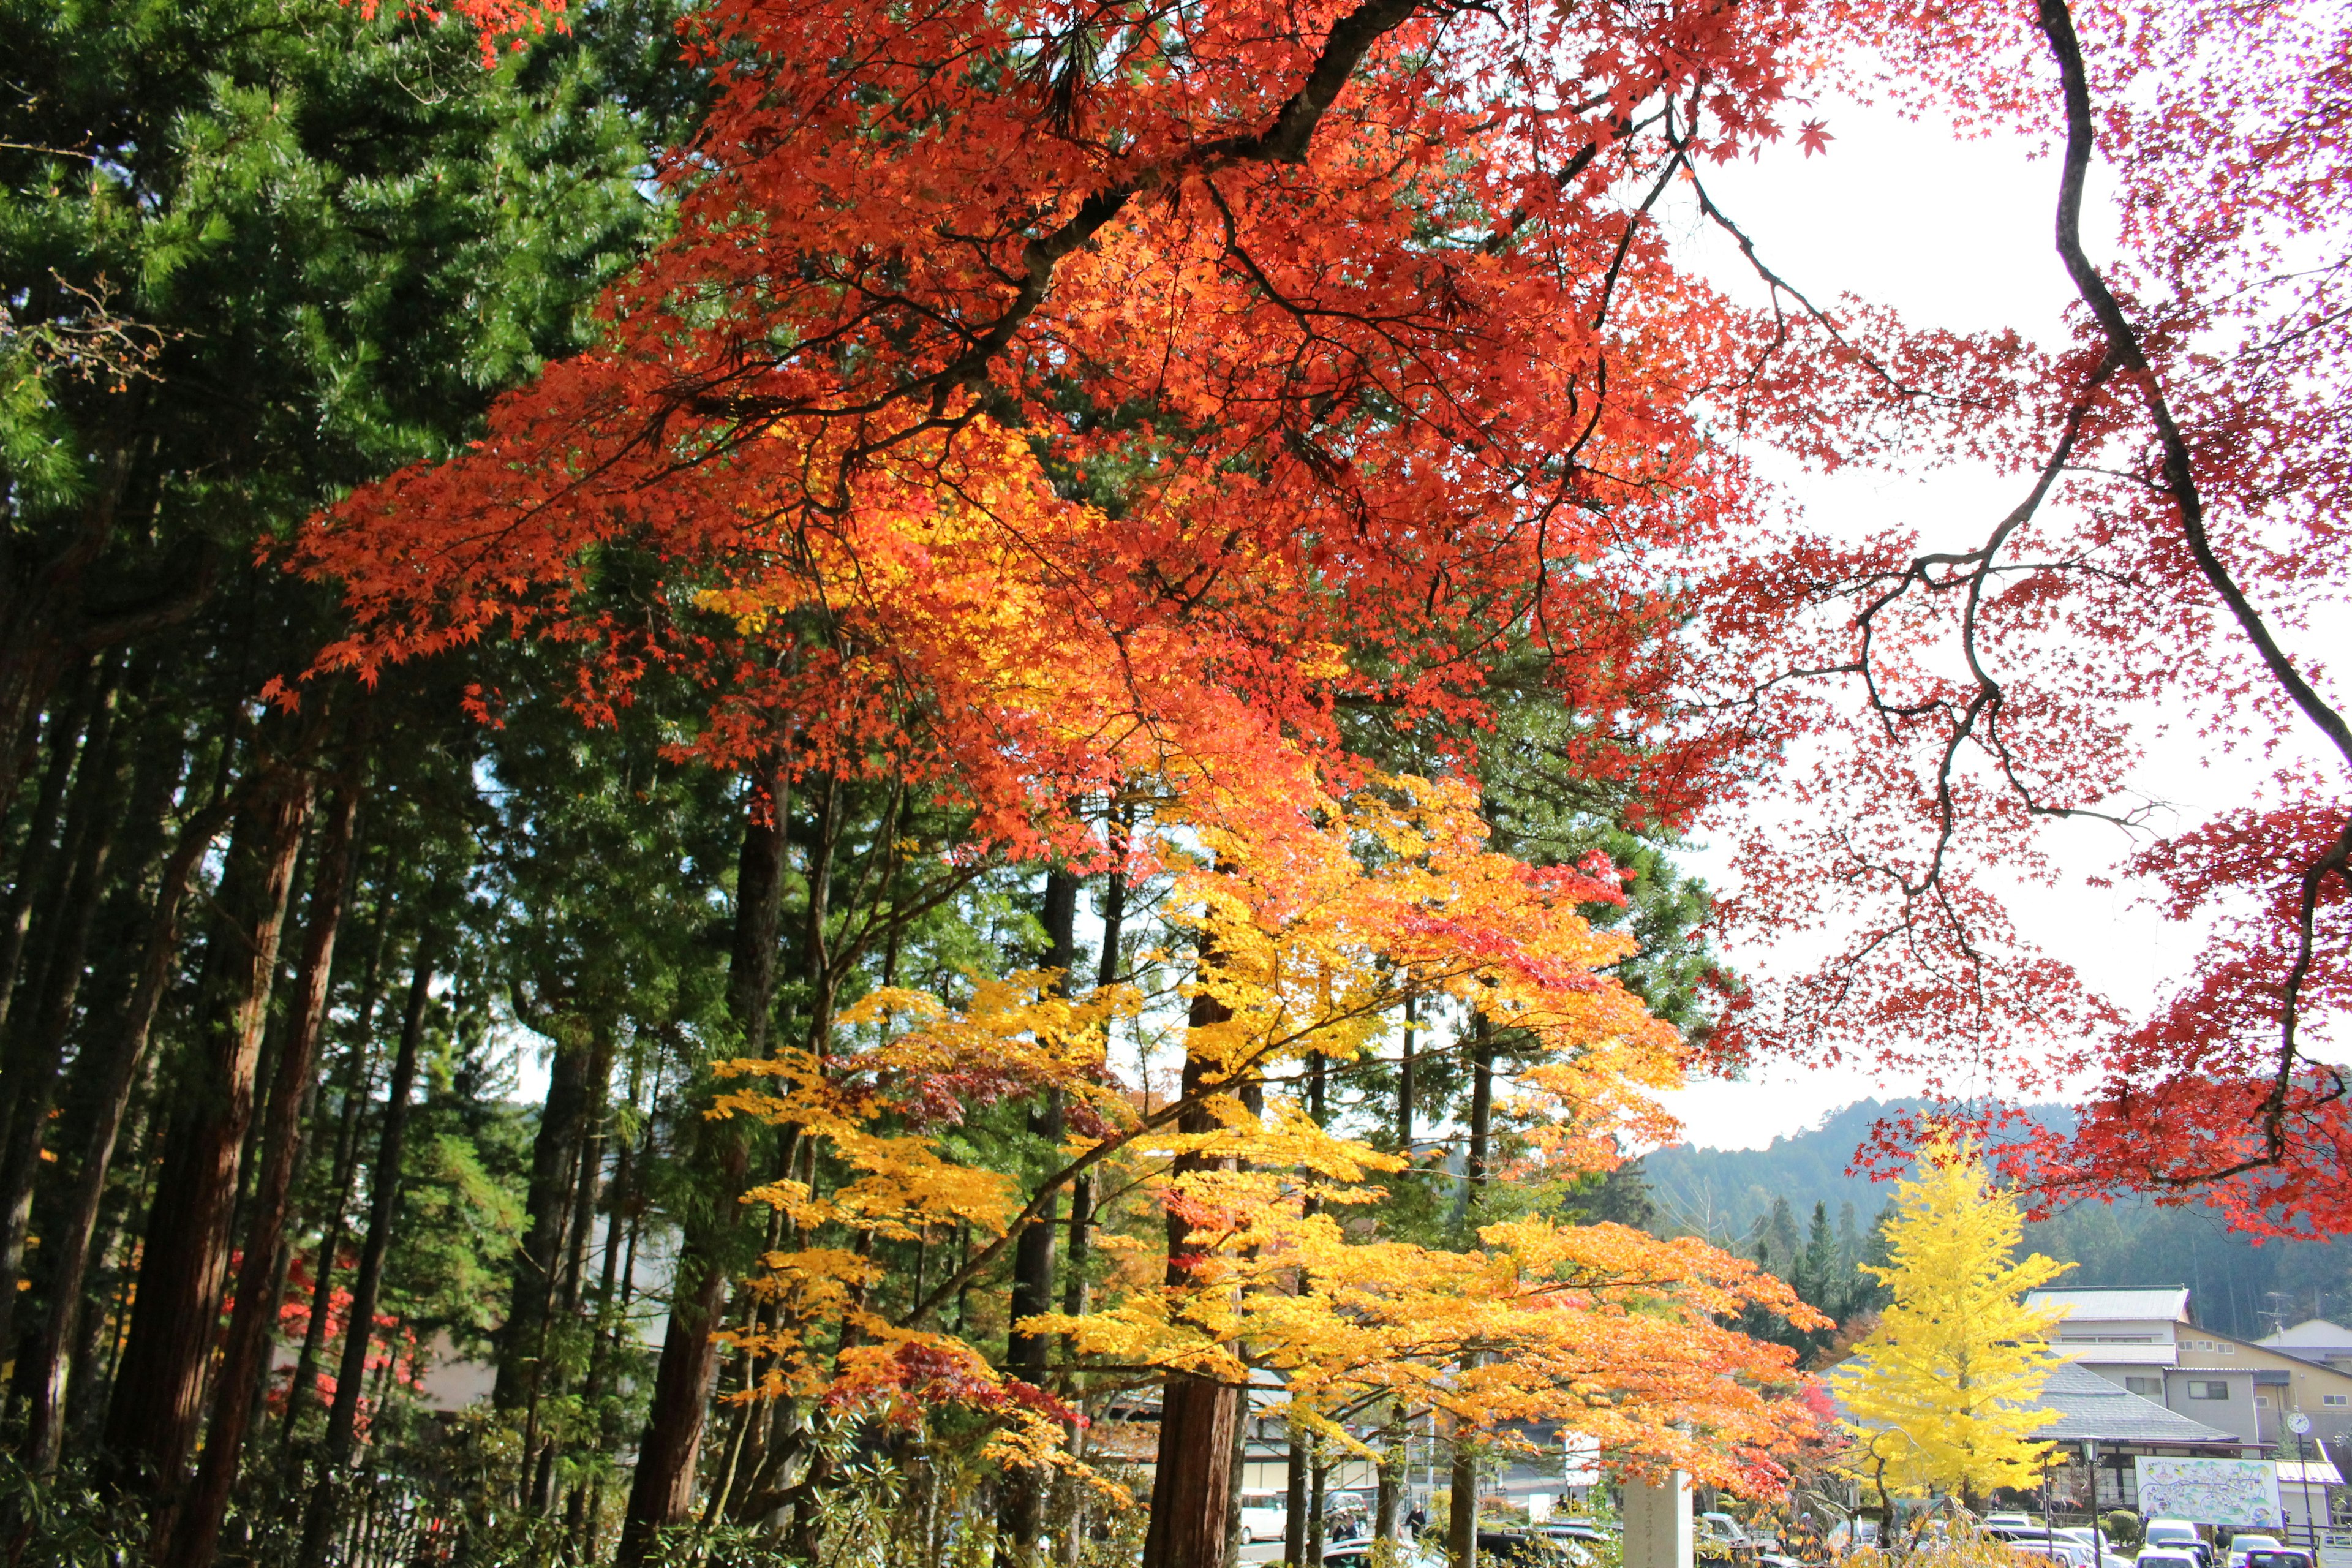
x: 1940, y: 1397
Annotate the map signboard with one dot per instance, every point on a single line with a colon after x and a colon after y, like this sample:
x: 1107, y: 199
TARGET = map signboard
x: 2208, y: 1492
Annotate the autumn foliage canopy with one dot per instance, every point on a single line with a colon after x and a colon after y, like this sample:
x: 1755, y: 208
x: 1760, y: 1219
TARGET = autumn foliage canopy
x: 1053, y: 403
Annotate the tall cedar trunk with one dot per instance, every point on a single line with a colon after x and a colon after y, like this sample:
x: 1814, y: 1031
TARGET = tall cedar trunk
x: 612, y: 1299
x: 1481, y: 1115
x: 661, y: 1493
x: 67, y: 723
x: 587, y: 1164
x: 1406, y: 1087
x: 1107, y: 967
x: 359, y: 1323
x: 260, y: 1275
x: 157, y: 1396
x: 1199, y: 1419
x: 547, y: 1201
x: 116, y: 947
x: 767, y: 1433
x: 1461, y: 1518
x: 336, y: 1215
x: 114, y: 1062
x: 44, y: 1016
x: 1033, y: 1253
x: 44, y: 623
x: 1082, y: 1203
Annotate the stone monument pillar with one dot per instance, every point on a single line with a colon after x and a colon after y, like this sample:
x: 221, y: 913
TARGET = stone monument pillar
x: 1658, y: 1523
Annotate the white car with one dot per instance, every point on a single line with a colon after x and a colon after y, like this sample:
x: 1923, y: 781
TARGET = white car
x: 2242, y: 1544
x: 2176, y: 1535
x: 2167, y: 1557
x: 1265, y: 1515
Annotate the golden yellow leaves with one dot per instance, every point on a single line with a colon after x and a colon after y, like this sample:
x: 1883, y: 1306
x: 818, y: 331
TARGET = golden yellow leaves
x: 1943, y: 1392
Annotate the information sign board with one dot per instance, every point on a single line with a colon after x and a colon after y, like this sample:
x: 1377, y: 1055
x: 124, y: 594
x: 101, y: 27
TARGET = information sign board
x: 2208, y: 1492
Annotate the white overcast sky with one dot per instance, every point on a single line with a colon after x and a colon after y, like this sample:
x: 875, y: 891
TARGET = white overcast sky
x: 1956, y: 234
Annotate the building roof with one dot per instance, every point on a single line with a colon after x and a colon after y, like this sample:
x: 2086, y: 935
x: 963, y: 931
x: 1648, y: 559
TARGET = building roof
x: 2166, y: 1303
x: 2098, y: 1353
x: 2312, y: 1334
x: 2311, y: 1472
x: 2089, y: 1406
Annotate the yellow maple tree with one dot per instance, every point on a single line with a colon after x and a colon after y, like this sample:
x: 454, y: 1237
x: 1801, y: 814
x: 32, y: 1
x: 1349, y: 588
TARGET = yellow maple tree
x: 1319, y: 925
x: 1942, y: 1396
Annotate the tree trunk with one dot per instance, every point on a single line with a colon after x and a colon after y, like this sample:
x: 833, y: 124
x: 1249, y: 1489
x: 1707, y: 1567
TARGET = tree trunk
x: 547, y: 1202
x: 1387, y: 1511
x: 36, y: 1033
x: 1405, y: 1088
x: 1318, y: 1487
x: 1294, y: 1503
x: 159, y: 1391
x: 1462, y: 1506
x: 356, y: 1076
x: 67, y: 723
x: 259, y: 1277
x: 1198, y: 1418
x: 1033, y: 1252
x: 661, y: 1493
x: 1479, y: 1151
x: 1461, y: 1518
x: 359, y: 1325
x: 116, y: 1059
x: 588, y: 1168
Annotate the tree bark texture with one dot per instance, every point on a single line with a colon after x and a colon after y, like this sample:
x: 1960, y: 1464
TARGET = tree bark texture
x: 44, y: 1016
x: 661, y: 1493
x: 1033, y: 1253
x: 1462, y: 1506
x: 68, y: 719
x: 118, y: 1055
x: 1199, y: 1419
x: 359, y: 1326
x: 547, y: 1201
x: 260, y: 1273
x: 157, y: 1396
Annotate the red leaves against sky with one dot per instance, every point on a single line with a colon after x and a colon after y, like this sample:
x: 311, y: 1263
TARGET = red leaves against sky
x: 1033, y: 397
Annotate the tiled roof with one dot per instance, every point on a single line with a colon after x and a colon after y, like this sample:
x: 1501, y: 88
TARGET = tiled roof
x: 2167, y: 1303
x: 2088, y: 1405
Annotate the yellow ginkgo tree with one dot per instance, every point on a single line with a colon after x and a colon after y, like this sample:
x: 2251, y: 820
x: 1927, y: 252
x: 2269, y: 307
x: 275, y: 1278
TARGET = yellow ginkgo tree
x: 1943, y: 1395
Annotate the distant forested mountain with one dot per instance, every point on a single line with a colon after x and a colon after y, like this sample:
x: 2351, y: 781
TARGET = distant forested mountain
x: 1761, y: 1201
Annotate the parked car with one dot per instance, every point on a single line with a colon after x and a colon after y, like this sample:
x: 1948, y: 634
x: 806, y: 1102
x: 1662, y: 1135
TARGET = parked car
x: 2246, y: 1543
x: 2169, y: 1556
x: 1264, y: 1516
x: 2180, y: 1535
x: 2283, y: 1557
x: 1358, y: 1554
x: 1522, y: 1548
x: 1718, y: 1538
x: 1572, y: 1549
x: 2083, y: 1536
x: 1998, y: 1522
